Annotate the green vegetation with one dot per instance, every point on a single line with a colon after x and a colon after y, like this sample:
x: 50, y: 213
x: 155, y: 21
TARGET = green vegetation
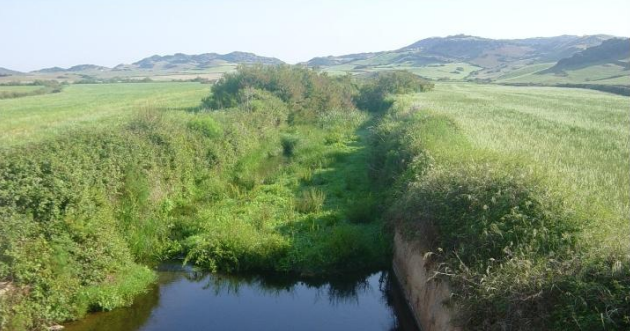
x: 521, y: 198
x: 597, y: 62
x: 36, y: 88
x: 604, y: 74
x: 271, y: 183
x: 88, y: 107
x: 373, y: 94
x: 302, y: 89
x: 520, y: 195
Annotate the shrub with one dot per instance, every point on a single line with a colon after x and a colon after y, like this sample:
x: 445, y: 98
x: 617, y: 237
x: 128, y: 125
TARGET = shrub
x: 207, y: 126
x: 373, y: 93
x: 289, y: 143
x: 301, y: 88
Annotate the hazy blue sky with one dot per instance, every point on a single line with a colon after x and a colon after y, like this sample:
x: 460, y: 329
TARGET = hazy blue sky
x: 44, y: 33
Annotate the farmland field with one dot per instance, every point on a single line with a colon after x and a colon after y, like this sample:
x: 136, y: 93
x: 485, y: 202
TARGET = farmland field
x: 596, y: 74
x: 579, y: 137
x: 18, y: 88
x: 527, y: 189
x: 452, y: 71
x: 37, y: 117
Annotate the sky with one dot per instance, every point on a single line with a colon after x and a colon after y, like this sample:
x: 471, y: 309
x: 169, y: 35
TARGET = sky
x: 45, y: 33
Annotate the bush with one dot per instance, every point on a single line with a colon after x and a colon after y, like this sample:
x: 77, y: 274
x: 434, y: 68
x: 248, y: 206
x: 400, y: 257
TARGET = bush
x: 301, y: 88
x: 207, y: 126
x: 78, y: 211
x: 289, y: 143
x: 373, y: 94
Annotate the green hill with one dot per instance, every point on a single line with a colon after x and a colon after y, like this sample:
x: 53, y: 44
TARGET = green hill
x: 613, y: 51
x: 476, y: 57
x: 208, y: 66
x: 605, y: 64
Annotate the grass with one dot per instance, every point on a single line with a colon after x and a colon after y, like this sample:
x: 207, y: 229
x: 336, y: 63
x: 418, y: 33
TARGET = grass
x: 450, y: 71
x: 157, y: 74
x: 596, y: 74
x: 293, y: 216
x: 523, y: 72
x: 35, y: 118
x: 579, y: 137
x: 18, y: 88
x: 522, y: 195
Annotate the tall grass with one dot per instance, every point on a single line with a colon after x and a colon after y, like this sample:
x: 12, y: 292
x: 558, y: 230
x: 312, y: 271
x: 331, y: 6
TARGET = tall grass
x: 510, y: 191
x: 578, y: 137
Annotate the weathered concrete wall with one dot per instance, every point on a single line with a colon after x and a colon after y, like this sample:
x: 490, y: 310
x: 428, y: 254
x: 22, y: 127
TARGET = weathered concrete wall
x: 426, y: 297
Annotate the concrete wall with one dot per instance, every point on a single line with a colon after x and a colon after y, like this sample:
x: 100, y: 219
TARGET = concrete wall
x: 426, y: 297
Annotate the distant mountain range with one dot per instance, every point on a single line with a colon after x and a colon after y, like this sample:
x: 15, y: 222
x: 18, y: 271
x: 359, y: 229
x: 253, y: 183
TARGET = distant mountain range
x: 463, y: 57
x: 174, y: 62
x: 563, y: 59
x: 479, y: 51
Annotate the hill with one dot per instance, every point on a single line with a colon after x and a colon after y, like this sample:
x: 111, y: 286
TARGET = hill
x: 462, y: 56
x: 605, y: 67
x: 613, y: 51
x: 200, y: 61
x: 179, y: 66
x: 8, y: 72
x: 77, y: 68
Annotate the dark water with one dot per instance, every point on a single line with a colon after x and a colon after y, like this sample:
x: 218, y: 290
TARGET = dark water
x: 185, y: 299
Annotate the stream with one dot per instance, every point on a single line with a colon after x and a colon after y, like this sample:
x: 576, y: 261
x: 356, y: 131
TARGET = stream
x: 187, y: 299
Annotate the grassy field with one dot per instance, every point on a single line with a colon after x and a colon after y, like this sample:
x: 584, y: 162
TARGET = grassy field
x: 596, y: 74
x: 158, y: 74
x: 452, y: 71
x: 523, y: 193
x: 38, y: 117
x: 18, y: 88
x: 579, y: 137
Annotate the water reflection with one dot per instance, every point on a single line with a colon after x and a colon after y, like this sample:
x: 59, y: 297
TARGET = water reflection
x: 188, y: 299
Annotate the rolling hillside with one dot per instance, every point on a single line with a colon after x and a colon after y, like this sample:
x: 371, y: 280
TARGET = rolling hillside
x: 8, y: 72
x: 605, y: 64
x: 208, y: 66
x: 463, y: 57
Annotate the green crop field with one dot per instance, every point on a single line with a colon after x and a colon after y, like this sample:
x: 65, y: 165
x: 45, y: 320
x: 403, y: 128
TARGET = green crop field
x: 36, y: 117
x: 596, y: 74
x: 528, y: 191
x: 579, y: 137
x: 452, y: 71
x: 18, y: 88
